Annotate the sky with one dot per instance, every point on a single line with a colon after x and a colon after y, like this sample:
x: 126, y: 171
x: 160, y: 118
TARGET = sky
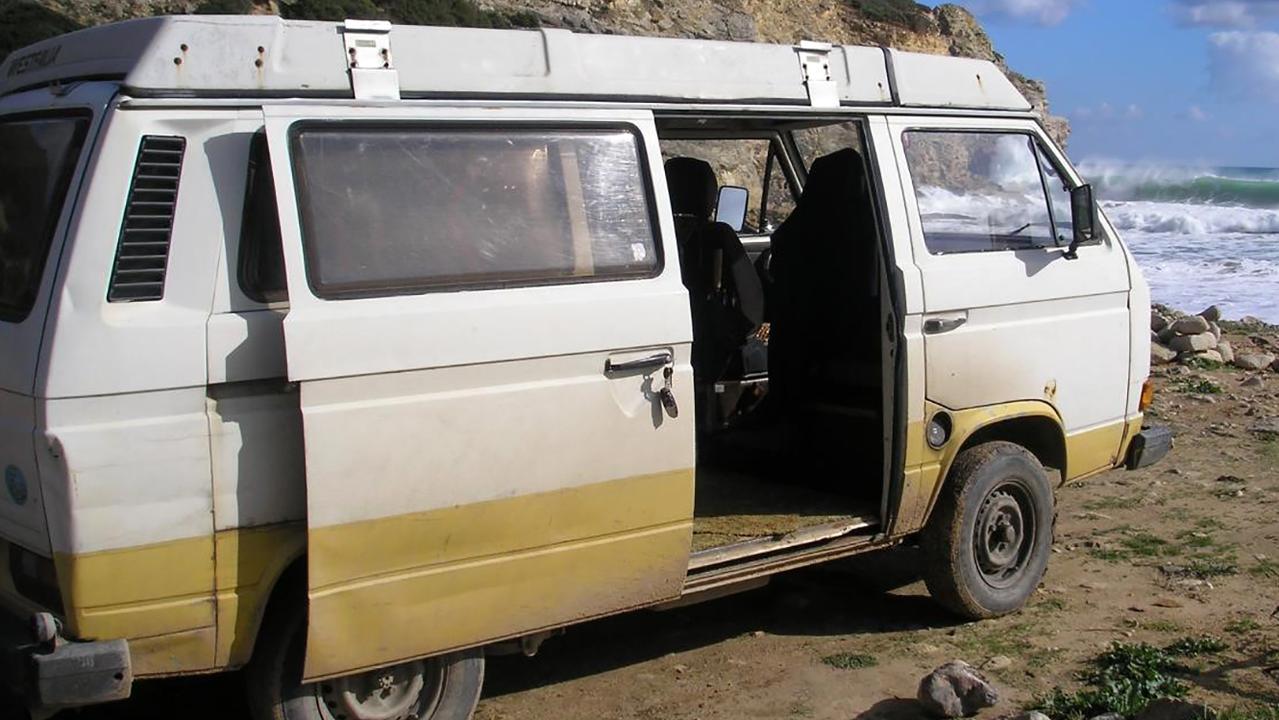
x: 1175, y: 82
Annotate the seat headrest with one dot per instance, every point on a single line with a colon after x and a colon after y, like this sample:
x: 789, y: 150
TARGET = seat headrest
x: 832, y: 176
x: 692, y: 186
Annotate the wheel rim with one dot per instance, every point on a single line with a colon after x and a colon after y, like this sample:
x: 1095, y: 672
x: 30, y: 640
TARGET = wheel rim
x: 409, y: 691
x: 1004, y: 535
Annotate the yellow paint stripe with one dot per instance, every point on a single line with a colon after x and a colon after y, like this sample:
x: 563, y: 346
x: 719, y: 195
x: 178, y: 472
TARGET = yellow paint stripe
x: 1094, y: 450
x: 389, y: 590
x: 496, y: 527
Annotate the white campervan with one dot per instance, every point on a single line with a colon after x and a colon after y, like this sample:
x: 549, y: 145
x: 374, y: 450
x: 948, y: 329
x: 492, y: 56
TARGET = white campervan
x: 345, y: 353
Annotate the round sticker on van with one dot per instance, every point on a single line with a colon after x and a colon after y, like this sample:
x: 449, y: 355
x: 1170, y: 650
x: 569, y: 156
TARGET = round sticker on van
x: 16, y: 483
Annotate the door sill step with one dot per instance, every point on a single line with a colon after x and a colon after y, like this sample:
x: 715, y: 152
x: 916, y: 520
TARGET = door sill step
x: 725, y: 554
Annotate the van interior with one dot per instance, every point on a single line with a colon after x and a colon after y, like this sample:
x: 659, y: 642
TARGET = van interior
x: 793, y: 367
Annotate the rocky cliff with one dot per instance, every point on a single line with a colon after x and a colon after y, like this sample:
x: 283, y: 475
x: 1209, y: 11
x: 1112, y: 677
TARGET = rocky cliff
x: 945, y: 30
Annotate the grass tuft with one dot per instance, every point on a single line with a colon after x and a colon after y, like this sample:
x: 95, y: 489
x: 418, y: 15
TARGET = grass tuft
x: 850, y: 661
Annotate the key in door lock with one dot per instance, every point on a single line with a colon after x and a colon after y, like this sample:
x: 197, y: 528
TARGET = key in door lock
x: 666, y: 394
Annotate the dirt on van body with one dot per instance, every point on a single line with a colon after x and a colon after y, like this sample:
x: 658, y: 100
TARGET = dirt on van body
x: 1187, y: 548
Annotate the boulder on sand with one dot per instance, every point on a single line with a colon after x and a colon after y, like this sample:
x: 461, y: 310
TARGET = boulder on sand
x: 1160, y: 355
x: 1157, y: 322
x: 1253, y: 360
x: 954, y: 690
x: 1193, y: 343
x: 1212, y: 313
x: 1192, y: 325
x: 1227, y: 350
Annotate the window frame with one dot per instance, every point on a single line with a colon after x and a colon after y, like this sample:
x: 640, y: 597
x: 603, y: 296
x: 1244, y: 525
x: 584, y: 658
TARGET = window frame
x: 14, y: 315
x: 264, y: 174
x: 1037, y: 148
x: 498, y: 129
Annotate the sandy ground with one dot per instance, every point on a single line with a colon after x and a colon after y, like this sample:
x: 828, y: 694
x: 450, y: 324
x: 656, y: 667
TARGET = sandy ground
x: 1187, y: 547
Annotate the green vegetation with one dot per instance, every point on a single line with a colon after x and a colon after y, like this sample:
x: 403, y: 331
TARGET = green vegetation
x: 1247, y: 712
x: 1198, y: 386
x: 1206, y: 568
x: 1266, y: 568
x: 462, y: 13
x: 906, y: 13
x: 1242, y: 626
x: 1127, y: 677
x: 1202, y: 363
x: 850, y: 661
x: 27, y: 22
x: 1196, y: 646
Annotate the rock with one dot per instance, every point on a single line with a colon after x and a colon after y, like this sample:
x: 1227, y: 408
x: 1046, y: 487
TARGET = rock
x: 998, y: 662
x: 1028, y: 715
x: 1275, y: 365
x: 1212, y: 313
x: 954, y: 690
x: 1166, y: 334
x: 1160, y: 355
x: 1193, y: 343
x: 1253, y: 360
x: 1209, y: 355
x: 1254, y: 381
x: 1157, y: 322
x: 1226, y: 349
x: 1192, y: 325
x: 1108, y: 716
x: 1215, y: 329
x: 1166, y: 709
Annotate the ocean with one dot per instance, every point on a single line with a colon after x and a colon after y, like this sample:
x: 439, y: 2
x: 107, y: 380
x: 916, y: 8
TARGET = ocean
x: 1201, y: 236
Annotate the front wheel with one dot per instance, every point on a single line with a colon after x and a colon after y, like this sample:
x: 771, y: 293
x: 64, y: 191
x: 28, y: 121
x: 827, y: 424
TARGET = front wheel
x: 990, y: 536
x: 441, y: 688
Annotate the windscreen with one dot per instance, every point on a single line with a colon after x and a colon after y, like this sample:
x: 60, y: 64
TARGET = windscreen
x: 37, y: 158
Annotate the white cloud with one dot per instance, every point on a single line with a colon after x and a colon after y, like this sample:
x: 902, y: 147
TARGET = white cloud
x: 1244, y: 64
x: 1225, y: 13
x: 1106, y: 111
x: 1196, y: 113
x: 1040, y: 12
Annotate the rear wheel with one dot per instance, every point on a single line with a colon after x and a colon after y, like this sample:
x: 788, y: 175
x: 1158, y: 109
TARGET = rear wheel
x: 441, y: 688
x: 990, y: 536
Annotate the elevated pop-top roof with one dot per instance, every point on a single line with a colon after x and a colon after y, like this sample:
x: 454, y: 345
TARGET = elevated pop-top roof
x: 234, y: 56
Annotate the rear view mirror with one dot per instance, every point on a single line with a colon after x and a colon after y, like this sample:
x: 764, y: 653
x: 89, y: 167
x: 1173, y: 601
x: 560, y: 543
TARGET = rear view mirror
x: 730, y: 208
x: 1083, y: 216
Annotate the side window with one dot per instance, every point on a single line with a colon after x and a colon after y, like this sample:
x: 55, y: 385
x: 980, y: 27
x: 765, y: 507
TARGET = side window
x: 979, y: 191
x: 37, y: 156
x: 815, y: 142
x: 744, y: 162
x: 394, y: 209
x: 1058, y: 197
x: 261, y: 255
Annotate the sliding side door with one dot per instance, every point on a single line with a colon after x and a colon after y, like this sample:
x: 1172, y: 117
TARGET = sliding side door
x: 492, y: 343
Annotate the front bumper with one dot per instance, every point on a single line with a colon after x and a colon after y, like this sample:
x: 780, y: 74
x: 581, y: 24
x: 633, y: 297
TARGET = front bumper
x: 57, y: 674
x: 1148, y: 447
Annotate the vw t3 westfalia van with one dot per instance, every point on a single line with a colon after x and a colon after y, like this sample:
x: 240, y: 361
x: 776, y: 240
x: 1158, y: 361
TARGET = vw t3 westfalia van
x: 344, y: 353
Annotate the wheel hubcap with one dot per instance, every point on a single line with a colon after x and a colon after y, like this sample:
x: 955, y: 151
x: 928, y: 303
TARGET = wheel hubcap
x: 1004, y: 534
x: 404, y: 692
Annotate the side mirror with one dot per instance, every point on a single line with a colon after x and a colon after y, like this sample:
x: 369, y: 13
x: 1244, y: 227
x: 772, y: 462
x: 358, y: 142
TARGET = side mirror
x: 1083, y: 216
x: 730, y: 208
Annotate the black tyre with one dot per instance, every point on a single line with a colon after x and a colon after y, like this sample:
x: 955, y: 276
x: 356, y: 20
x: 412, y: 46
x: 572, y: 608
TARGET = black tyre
x: 988, y: 541
x: 442, y: 688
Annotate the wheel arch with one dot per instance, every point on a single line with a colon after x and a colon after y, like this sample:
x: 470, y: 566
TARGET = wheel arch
x: 1032, y: 424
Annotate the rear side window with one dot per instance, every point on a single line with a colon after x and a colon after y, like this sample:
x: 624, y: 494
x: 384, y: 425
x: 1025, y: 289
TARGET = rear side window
x: 261, y: 256
x: 979, y: 191
x: 404, y: 209
x: 37, y: 158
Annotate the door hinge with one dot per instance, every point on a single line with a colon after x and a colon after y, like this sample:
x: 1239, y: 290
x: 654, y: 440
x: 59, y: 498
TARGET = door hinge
x: 814, y: 63
x: 368, y: 56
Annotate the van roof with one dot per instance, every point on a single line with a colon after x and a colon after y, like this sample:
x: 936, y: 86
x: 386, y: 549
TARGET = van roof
x: 261, y: 56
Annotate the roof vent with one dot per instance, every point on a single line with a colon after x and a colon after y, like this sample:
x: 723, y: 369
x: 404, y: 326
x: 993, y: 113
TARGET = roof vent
x: 142, y: 256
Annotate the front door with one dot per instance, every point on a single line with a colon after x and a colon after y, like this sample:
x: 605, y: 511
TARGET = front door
x: 1006, y: 316
x: 492, y: 342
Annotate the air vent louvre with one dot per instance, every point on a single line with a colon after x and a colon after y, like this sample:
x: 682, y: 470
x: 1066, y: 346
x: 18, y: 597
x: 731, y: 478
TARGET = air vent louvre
x: 142, y: 256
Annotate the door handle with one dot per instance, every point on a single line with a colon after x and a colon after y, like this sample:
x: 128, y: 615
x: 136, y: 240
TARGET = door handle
x: 938, y: 325
x: 652, y: 362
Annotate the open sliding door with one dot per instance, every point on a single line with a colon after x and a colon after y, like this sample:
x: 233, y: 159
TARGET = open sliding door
x: 482, y: 321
